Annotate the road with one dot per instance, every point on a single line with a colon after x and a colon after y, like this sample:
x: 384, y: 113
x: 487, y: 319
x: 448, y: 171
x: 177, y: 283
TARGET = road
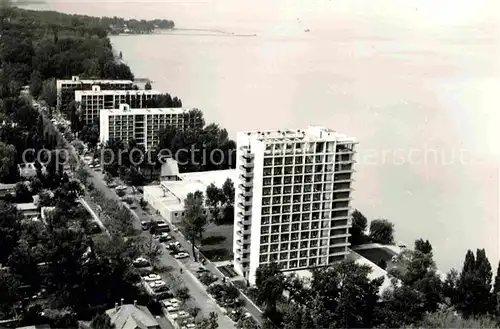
x: 196, y: 289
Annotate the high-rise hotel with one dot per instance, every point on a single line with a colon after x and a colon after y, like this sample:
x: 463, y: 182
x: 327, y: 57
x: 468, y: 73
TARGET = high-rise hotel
x: 66, y: 88
x: 142, y: 125
x: 92, y: 101
x: 293, y: 196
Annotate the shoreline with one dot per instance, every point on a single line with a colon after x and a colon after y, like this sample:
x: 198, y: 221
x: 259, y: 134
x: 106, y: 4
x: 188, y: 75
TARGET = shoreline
x: 186, y: 32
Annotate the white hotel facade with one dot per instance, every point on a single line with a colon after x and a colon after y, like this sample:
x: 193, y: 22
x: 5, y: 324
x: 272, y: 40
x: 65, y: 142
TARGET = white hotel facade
x: 92, y: 101
x: 143, y: 125
x: 293, y: 197
x: 66, y: 88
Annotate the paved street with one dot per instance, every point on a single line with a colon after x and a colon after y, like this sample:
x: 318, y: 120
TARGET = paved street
x: 196, y: 289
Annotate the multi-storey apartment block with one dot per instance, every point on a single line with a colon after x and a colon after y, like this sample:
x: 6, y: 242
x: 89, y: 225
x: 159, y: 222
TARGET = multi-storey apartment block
x: 143, y: 125
x: 66, y: 88
x: 92, y: 101
x: 292, y: 199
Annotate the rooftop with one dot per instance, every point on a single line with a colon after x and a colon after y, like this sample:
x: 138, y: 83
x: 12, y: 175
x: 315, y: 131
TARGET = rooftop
x: 26, y: 206
x: 126, y: 109
x: 131, y: 316
x: 311, y: 134
x: 76, y: 80
x: 116, y: 92
x: 197, y: 181
x: 171, y: 194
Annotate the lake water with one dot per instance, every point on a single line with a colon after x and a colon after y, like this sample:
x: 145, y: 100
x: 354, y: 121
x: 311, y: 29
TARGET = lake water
x: 416, y: 83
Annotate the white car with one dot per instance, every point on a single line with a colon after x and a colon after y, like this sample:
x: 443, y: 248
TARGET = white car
x: 140, y: 262
x: 172, y: 308
x: 157, y: 284
x: 175, y: 244
x: 181, y: 255
x: 152, y: 277
x: 401, y: 245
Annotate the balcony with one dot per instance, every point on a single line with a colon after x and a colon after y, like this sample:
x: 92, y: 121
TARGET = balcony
x: 247, y: 211
x: 247, y: 166
x: 342, y: 178
x: 246, y: 174
x: 246, y: 156
x: 245, y: 219
x: 246, y: 181
x: 242, y: 227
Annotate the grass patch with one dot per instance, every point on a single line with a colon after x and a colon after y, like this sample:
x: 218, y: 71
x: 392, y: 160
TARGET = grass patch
x: 211, y: 240
x: 217, y: 255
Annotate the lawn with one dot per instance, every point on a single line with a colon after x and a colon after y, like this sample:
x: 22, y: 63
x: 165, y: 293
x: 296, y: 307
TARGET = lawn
x: 217, y: 243
x: 376, y: 254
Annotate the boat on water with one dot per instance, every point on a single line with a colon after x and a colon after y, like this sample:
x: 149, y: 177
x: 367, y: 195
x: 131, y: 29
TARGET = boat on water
x: 307, y: 30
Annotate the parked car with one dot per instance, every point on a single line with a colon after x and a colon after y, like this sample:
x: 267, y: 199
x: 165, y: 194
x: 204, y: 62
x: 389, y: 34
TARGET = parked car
x: 151, y: 277
x: 201, y: 269
x: 163, y: 237
x: 141, y: 262
x: 174, y: 245
x: 181, y: 255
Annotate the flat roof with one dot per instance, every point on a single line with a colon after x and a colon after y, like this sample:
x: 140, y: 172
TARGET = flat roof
x: 117, y: 92
x: 310, y: 134
x: 172, y: 194
x: 26, y: 206
x: 144, y: 111
x: 96, y: 81
x: 7, y: 186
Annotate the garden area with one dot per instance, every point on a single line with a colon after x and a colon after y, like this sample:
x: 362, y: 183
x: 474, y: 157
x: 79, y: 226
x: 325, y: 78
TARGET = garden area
x: 217, y: 244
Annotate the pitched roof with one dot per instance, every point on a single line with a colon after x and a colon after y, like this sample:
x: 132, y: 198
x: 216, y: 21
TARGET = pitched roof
x: 131, y: 317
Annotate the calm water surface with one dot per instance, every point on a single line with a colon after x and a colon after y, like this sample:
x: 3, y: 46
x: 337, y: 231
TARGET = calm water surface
x: 416, y: 84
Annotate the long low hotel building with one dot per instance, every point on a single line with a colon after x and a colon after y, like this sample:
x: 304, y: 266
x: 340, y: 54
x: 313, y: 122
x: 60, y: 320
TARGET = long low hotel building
x: 293, y: 197
x: 143, y: 125
x: 92, y: 101
x: 66, y: 88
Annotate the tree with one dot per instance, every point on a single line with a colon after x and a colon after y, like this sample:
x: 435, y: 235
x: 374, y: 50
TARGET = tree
x: 36, y: 83
x: 101, y: 321
x: 474, y: 285
x: 151, y: 249
x: 214, y: 197
x: 9, y: 292
x: 209, y: 323
x: 108, y: 178
x: 400, y: 305
x: 359, y: 225
x: 450, y: 286
x: 195, y: 219
x: 147, y: 86
x: 423, y: 246
x: 228, y: 190
x: 446, y: 319
x: 83, y: 175
x: 143, y: 203
x: 269, y: 286
x: 23, y: 194
x: 8, y: 168
x: 49, y: 92
x: 496, y: 292
x: 382, y: 231
x: 417, y: 271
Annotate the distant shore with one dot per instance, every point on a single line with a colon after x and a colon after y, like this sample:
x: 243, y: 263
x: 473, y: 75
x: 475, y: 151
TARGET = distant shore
x: 187, y: 32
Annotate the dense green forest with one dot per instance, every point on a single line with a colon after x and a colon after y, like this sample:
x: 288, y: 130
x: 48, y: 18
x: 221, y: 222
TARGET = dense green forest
x: 58, y: 271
